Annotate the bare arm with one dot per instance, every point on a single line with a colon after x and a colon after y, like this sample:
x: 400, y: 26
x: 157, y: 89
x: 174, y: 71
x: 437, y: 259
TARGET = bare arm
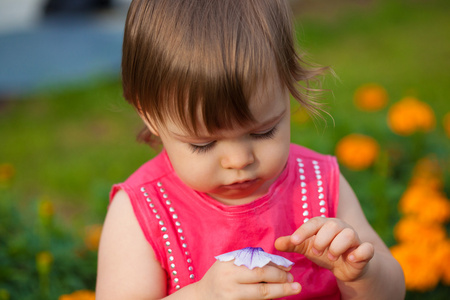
x: 127, y: 268
x: 383, y: 278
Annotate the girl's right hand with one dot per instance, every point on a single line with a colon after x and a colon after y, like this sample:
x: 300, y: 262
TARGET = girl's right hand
x: 225, y: 280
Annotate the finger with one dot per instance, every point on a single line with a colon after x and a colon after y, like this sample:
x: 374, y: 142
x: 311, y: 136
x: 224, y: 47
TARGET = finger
x: 273, y: 290
x: 345, y: 241
x: 362, y: 254
x: 286, y: 269
x: 326, y: 234
x: 284, y: 244
x: 307, y: 230
x: 267, y: 273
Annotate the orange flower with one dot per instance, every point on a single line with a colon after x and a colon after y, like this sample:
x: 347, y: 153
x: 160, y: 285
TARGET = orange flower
x: 427, y: 204
x: 92, y: 236
x: 410, y: 115
x: 370, y: 97
x: 428, y: 172
x: 7, y: 172
x: 420, y: 266
x: 444, y: 256
x: 357, y: 151
x: 410, y: 229
x: 446, y: 123
x: 79, y: 295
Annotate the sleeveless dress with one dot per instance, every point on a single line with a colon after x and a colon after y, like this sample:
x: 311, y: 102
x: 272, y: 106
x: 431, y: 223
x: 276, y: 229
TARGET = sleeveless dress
x: 187, y: 229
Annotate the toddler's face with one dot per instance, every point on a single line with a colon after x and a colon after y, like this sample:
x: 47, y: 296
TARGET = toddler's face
x: 235, y: 166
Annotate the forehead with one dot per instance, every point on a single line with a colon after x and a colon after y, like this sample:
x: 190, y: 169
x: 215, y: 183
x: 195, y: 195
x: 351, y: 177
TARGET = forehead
x: 269, y: 101
x: 269, y: 98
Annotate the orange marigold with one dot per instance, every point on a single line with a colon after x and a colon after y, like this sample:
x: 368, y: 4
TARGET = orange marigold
x: 92, y: 236
x: 446, y: 124
x: 428, y: 171
x: 427, y: 204
x: 443, y: 253
x: 411, y: 229
x: 357, y: 151
x: 410, y: 115
x: 79, y: 295
x: 370, y: 97
x: 7, y: 172
x: 421, y: 268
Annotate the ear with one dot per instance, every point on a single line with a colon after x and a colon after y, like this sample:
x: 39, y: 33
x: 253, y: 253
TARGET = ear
x: 150, y: 125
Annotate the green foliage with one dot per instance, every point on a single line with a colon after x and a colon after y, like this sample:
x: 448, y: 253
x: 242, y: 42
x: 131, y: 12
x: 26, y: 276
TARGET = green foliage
x: 39, y: 257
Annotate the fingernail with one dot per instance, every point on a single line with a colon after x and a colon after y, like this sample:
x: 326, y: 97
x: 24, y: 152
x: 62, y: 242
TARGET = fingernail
x: 295, y: 286
x: 290, y: 277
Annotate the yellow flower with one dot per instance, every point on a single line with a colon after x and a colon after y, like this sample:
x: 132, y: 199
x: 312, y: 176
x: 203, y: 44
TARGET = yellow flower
x: 4, y: 294
x: 45, y: 208
x: 427, y: 204
x: 411, y: 229
x: 357, y: 151
x: 370, y: 97
x: 79, y: 295
x: 410, y: 115
x: 299, y: 116
x: 45, y: 211
x: 44, y: 262
x: 420, y: 266
x: 92, y: 236
x: 446, y: 123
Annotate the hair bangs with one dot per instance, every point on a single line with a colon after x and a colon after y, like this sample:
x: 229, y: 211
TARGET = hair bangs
x: 209, y: 74
x: 200, y: 63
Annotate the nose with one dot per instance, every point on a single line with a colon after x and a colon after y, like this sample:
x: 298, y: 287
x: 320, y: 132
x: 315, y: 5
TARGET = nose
x: 237, y: 156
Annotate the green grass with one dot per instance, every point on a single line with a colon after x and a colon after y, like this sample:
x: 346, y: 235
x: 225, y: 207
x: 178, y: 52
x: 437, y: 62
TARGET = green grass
x: 71, y: 145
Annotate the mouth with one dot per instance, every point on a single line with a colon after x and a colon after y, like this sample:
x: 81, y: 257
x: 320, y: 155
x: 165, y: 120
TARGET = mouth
x: 241, y: 185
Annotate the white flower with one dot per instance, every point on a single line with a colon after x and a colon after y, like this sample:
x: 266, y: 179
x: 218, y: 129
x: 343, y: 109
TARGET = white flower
x: 254, y: 257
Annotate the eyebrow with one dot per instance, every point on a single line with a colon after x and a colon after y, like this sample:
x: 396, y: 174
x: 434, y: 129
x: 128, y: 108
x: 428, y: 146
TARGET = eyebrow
x: 268, y: 122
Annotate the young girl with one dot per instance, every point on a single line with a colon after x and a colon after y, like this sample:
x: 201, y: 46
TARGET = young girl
x: 212, y: 80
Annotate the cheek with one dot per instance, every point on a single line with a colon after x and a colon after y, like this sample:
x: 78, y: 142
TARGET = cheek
x: 195, y: 173
x: 274, y: 156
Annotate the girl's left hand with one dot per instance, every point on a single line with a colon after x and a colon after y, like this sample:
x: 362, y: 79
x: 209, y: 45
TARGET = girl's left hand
x: 331, y: 244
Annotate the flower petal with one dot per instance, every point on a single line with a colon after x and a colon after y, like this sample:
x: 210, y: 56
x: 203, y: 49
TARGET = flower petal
x: 279, y: 260
x: 228, y: 256
x: 254, y: 257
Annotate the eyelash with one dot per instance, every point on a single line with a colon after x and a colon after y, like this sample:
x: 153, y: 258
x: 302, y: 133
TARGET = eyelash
x: 257, y: 136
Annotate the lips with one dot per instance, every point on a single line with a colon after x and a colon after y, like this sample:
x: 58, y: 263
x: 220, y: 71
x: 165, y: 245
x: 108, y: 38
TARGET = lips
x: 241, y: 185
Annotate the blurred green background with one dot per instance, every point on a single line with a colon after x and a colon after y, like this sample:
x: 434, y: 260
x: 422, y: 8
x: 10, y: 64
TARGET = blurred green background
x: 63, y: 146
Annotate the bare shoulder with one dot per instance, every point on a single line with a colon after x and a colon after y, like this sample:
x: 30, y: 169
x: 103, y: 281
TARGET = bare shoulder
x: 350, y: 211
x: 127, y: 268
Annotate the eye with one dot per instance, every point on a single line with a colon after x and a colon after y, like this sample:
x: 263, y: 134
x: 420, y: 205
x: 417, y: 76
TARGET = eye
x: 202, y: 148
x: 268, y: 134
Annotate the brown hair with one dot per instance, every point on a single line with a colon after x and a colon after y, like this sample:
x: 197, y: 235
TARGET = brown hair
x: 203, y: 59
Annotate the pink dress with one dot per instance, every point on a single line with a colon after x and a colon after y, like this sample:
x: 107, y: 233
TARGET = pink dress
x: 187, y: 229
